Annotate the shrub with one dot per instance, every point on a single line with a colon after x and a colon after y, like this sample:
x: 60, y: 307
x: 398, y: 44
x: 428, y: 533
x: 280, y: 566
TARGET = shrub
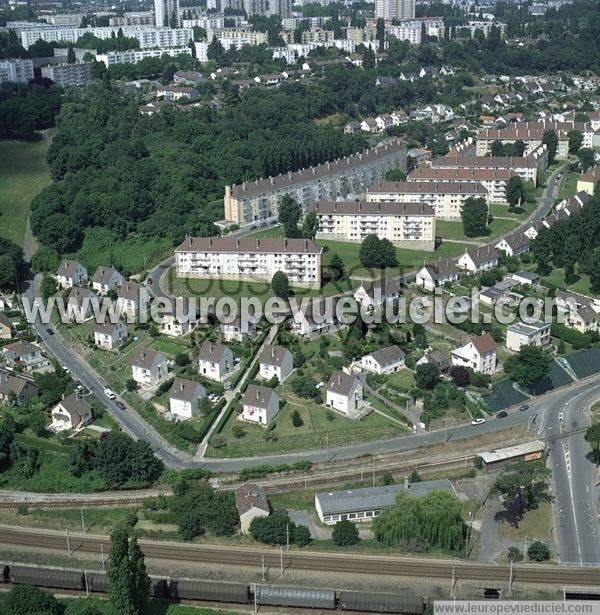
x: 345, y: 533
x: 538, y: 551
x: 515, y: 554
x: 297, y: 419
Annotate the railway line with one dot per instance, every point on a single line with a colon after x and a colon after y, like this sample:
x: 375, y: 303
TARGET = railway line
x: 314, y: 561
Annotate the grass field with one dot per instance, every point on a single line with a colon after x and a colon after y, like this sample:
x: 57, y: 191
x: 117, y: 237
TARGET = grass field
x: 557, y: 277
x: 569, y: 186
x: 74, y: 606
x: 23, y: 173
x: 447, y: 229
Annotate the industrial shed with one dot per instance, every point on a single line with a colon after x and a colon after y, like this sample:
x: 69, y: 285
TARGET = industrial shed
x: 529, y: 451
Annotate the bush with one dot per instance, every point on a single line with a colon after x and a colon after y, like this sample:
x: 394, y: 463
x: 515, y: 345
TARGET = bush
x: 297, y: 419
x: 182, y: 359
x: 131, y: 384
x: 515, y: 554
x: 571, y: 336
x: 538, y: 551
x: 345, y: 533
x: 302, y: 536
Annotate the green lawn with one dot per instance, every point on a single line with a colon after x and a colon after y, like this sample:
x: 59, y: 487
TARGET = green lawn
x: 75, y: 606
x: 569, y: 186
x: 23, y: 173
x: 557, y: 277
x: 447, y: 229
x: 521, y: 213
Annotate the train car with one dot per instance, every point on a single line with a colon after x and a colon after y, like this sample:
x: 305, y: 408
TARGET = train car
x: 47, y: 577
x: 160, y: 588
x: 274, y: 595
x: 379, y: 602
x: 214, y: 591
x: 97, y: 581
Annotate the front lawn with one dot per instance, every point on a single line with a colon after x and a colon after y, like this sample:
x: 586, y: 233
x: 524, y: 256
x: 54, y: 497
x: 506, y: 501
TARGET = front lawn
x: 447, y: 229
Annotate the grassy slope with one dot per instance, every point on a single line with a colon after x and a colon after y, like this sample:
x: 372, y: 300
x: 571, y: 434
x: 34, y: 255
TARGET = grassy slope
x: 23, y: 173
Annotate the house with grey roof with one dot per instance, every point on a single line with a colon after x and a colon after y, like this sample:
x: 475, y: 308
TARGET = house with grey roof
x: 238, y: 330
x: 432, y: 275
x: 16, y: 388
x: 360, y: 505
x: 478, y: 259
x: 276, y: 361
x: 132, y: 299
x: 384, y: 361
x: 344, y: 393
x: 81, y: 303
x: 251, y: 502
x: 184, y: 397
x: 514, y: 244
x: 109, y: 335
x: 71, y: 273
x: 260, y: 405
x: 215, y: 361
x: 23, y: 354
x: 376, y: 293
x: 72, y: 412
x: 521, y: 334
x: 106, y: 279
x: 149, y: 367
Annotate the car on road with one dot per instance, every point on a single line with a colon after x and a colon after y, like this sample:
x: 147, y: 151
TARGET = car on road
x: 121, y: 405
x: 149, y: 281
x: 477, y: 421
x: 110, y: 393
x: 49, y: 331
x: 523, y: 408
x: 502, y: 414
x: 561, y: 417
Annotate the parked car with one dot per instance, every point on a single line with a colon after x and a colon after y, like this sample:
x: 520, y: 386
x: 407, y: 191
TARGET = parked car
x: 524, y: 407
x: 502, y: 414
x: 110, y: 393
x: 121, y: 405
x: 477, y: 421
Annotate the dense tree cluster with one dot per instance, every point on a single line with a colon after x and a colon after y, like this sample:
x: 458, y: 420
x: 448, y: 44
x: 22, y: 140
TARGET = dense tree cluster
x: 12, y: 265
x: 278, y: 528
x: 377, y: 253
x: 529, y: 365
x: 116, y: 42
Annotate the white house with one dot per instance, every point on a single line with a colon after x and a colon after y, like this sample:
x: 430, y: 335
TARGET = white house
x: 72, y: 412
x: 149, y: 367
x: 215, y: 361
x: 526, y: 278
x: 478, y: 259
x: 23, y: 354
x: 260, y: 404
x: 132, y: 299
x: 80, y: 304
x: 110, y: 335
x: 384, y: 361
x: 71, y: 273
x: 238, y: 331
x: 276, y: 361
x: 106, y: 279
x: 437, y: 274
x: 478, y: 353
x: 184, y: 397
x: 514, y: 244
x: 314, y: 319
x: 579, y: 312
x: 345, y: 394
x: 251, y: 502
x: 375, y: 294
x: 522, y: 334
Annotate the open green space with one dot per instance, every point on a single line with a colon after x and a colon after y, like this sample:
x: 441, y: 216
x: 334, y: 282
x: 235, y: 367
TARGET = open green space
x: 447, y: 229
x: 535, y: 525
x: 96, y: 520
x: 520, y: 213
x: 568, y: 186
x: 23, y: 173
x: 75, y: 606
x: 557, y: 278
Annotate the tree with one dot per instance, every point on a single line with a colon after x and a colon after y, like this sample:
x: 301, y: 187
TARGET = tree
x: 380, y: 34
x: 515, y: 554
x: 395, y: 175
x: 297, y: 419
x: 310, y: 225
x: 514, y: 191
x: 592, y: 437
x: 120, y: 577
x: 280, y: 285
x: 289, y: 215
x: 550, y: 140
x: 529, y: 365
x: 140, y: 581
x: 377, y: 253
x: 301, y: 536
x: 474, y: 216
x: 460, y: 375
x: 427, y: 376
x: 575, y: 140
x: 189, y: 525
x: 8, y: 273
x: 496, y: 148
x: 131, y: 384
x: 345, y: 533
x: 337, y: 267
x: 594, y: 271
x: 71, y: 58
x: 538, y: 551
x: 273, y: 530
x: 48, y: 286
x: 29, y: 600
x: 586, y: 158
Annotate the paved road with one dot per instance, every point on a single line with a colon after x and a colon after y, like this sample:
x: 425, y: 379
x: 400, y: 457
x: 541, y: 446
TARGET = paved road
x: 574, y: 476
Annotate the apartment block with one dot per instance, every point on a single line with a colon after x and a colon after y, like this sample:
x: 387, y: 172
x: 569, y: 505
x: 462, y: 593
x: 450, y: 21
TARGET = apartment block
x: 395, y: 9
x: 237, y: 37
x: 409, y: 225
x: 19, y: 71
x: 251, y: 259
x: 259, y: 200
x: 69, y: 75
x: 134, y: 56
x: 446, y: 198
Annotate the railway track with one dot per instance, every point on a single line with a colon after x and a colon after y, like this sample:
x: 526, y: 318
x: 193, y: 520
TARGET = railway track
x: 314, y: 561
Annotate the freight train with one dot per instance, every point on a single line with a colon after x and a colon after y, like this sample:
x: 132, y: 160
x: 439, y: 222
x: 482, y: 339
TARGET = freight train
x: 95, y: 582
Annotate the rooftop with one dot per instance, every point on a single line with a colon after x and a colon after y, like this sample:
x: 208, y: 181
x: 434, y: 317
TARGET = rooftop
x: 270, y: 245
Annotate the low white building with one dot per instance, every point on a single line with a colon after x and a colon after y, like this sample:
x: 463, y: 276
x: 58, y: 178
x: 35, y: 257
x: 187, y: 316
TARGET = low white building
x: 109, y: 335
x: 384, y: 361
x: 524, y: 334
x: 72, y: 412
x: 71, y: 273
x: 184, y: 397
x: 251, y: 502
x: 276, y: 361
x: 478, y: 353
x: 149, y: 367
x: 376, y: 293
x: 475, y: 260
x: 215, y: 361
x: 132, y: 299
x: 106, y: 279
x: 260, y: 405
x: 437, y: 274
x: 344, y: 393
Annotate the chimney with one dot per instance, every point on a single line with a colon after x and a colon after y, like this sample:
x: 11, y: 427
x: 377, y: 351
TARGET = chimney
x: 181, y: 385
x: 189, y: 242
x: 406, y: 483
x: 272, y: 352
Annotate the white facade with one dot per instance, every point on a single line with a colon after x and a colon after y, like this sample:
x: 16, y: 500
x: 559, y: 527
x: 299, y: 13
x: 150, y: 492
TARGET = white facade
x: 110, y: 336
x: 149, y: 368
x: 522, y: 334
x: 344, y: 397
x: 276, y: 361
x: 71, y: 273
x: 166, y: 13
x: 479, y: 354
x: 260, y: 405
x: 436, y: 274
x: 184, y: 398
x: 215, y: 361
x: 106, y: 279
x: 18, y: 71
x: 134, y: 56
x: 395, y: 9
x: 174, y: 327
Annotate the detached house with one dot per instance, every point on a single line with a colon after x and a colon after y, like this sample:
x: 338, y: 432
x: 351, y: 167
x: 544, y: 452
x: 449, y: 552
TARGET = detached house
x: 437, y: 274
x: 276, y: 361
x: 6, y: 327
x: 71, y: 273
x: 375, y: 294
x: 215, y: 361
x: 80, y: 304
x: 17, y: 388
x: 238, y: 331
x: 514, y: 244
x: 23, y: 354
x: 72, y: 412
x: 345, y: 394
x: 149, y: 367
x: 479, y: 354
x: 184, y: 397
x: 479, y: 259
x: 106, y: 279
x: 260, y: 405
x: 180, y: 321
x: 579, y: 312
x: 384, y: 361
x: 110, y: 336
x: 251, y: 502
x: 132, y: 299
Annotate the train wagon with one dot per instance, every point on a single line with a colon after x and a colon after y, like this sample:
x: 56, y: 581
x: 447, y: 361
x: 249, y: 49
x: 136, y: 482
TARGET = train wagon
x: 47, y: 577
x: 97, y: 581
x: 214, y: 591
x: 274, y: 595
x: 378, y: 602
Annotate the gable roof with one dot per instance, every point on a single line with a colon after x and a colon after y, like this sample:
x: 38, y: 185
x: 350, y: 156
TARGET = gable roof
x: 386, y: 286
x: 441, y: 269
x: 212, y: 351
x: 103, y: 275
x: 19, y: 349
x: 67, y: 268
x: 388, y: 355
x: 129, y: 291
x: 484, y: 343
x: 250, y: 496
x: 107, y: 327
x: 186, y: 390
x: 75, y: 406
x: 259, y: 397
x: 14, y: 383
x: 146, y: 358
x: 341, y: 383
x: 274, y: 355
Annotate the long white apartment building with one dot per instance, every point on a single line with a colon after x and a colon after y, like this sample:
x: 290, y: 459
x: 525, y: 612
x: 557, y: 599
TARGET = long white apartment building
x: 493, y: 180
x: 408, y: 225
x: 208, y: 22
x: 236, y: 37
x: 532, y: 133
x: 18, y: 71
x: 133, y: 56
x: 446, y: 198
x: 527, y: 167
x: 331, y: 181
x: 250, y: 259
x: 148, y: 36
x: 136, y: 18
